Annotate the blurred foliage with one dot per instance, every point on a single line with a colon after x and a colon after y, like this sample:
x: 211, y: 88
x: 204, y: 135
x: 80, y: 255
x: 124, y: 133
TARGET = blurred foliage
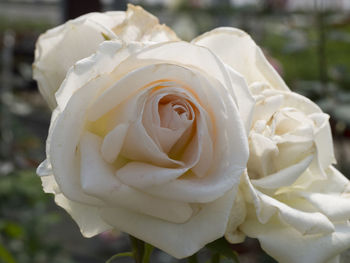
x: 302, y: 63
x: 25, y: 219
x: 23, y: 25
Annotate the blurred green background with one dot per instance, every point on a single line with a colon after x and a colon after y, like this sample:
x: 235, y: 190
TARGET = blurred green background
x: 307, y: 41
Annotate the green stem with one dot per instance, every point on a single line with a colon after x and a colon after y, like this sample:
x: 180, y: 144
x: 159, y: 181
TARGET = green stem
x: 137, y: 249
x: 193, y: 259
x: 147, y: 253
x: 215, y: 258
x: 120, y: 255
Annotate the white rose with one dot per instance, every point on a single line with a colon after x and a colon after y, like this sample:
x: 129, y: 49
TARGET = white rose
x: 150, y: 139
x: 59, y: 48
x: 298, y: 205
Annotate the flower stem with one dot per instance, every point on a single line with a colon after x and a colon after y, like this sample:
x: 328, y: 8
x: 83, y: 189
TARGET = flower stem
x: 193, y: 259
x: 120, y: 255
x: 137, y: 246
x: 147, y: 253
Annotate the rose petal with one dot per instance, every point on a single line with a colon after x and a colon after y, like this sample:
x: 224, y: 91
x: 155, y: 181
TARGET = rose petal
x: 244, y: 99
x: 148, y: 150
x: 237, y: 217
x: 79, y: 38
x: 113, y: 142
x: 199, y: 190
x: 44, y: 169
x: 49, y: 185
x: 304, y: 222
x: 66, y: 128
x: 262, y: 153
x: 139, y: 25
x: 326, y: 193
x: 64, y: 141
x: 141, y: 175
x: 284, y: 177
x: 287, y: 245
x: 162, y: 122
x: 193, y: 57
x: 108, y: 55
x: 238, y: 50
x: 206, y: 150
x: 97, y: 179
x: 323, y: 140
x: 87, y: 217
x: 207, y: 225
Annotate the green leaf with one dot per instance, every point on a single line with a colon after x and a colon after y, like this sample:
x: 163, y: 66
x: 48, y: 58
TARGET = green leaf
x: 120, y: 255
x: 222, y: 247
x: 5, y: 255
x: 105, y: 36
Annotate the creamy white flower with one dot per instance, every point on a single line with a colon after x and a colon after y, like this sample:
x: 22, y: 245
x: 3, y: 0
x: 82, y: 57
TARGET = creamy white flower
x: 237, y: 50
x: 59, y: 48
x: 297, y: 204
x: 150, y: 139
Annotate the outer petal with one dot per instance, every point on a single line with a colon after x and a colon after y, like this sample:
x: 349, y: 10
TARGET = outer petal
x: 238, y: 50
x: 50, y: 185
x: 106, y: 58
x: 323, y: 135
x: 244, y: 99
x: 304, y: 222
x: 87, y: 217
x: 207, y: 225
x: 326, y: 193
x: 59, y: 48
x: 285, y: 177
x: 287, y: 245
x: 66, y: 128
x: 140, y: 25
x: 237, y: 217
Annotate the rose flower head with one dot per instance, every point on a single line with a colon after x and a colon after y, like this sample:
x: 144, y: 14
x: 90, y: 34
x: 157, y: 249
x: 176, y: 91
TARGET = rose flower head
x: 149, y: 135
x: 291, y: 197
x: 180, y: 143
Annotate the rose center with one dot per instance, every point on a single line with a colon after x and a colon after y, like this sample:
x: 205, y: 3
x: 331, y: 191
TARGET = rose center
x: 174, y: 114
